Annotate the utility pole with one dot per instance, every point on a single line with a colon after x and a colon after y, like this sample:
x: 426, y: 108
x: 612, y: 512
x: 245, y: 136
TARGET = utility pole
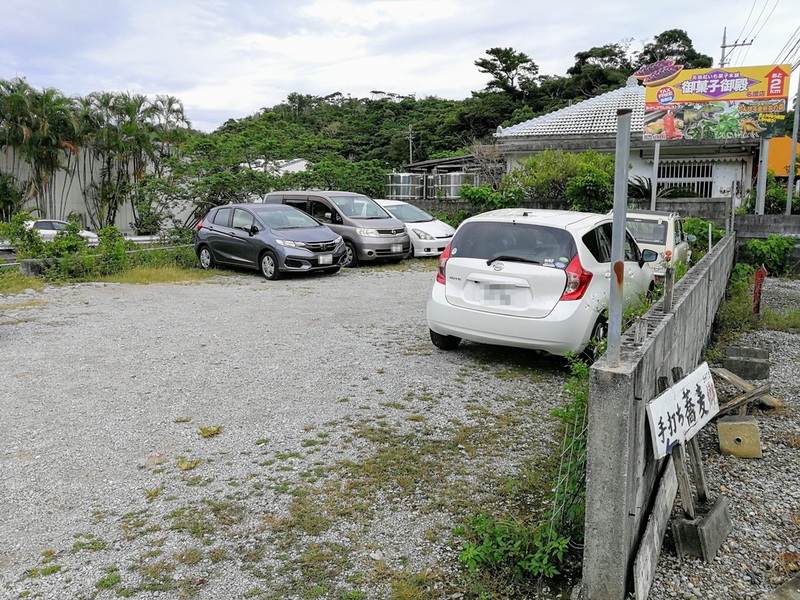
x: 410, y: 146
x: 723, y: 59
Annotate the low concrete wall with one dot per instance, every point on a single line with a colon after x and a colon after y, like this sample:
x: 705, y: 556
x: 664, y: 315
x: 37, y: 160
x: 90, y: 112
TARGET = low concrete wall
x: 760, y: 227
x: 621, y: 473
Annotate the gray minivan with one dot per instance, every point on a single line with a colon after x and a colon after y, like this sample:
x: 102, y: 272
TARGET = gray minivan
x: 369, y: 232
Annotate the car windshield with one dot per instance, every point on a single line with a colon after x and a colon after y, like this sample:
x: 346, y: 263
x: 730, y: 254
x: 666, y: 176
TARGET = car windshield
x: 648, y: 231
x: 521, y: 242
x: 408, y: 213
x: 284, y: 218
x: 359, y: 207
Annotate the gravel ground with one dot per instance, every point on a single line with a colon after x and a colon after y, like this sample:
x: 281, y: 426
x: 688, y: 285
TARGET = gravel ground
x: 108, y: 489
x: 763, y: 550
x: 322, y: 384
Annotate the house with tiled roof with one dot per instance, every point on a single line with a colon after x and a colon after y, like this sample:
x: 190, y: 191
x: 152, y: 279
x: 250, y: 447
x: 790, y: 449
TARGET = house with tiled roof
x: 708, y: 167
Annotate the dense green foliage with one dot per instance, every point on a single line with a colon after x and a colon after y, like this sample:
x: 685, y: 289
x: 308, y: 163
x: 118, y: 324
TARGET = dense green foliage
x: 547, y: 175
x: 773, y: 253
x: 774, y: 198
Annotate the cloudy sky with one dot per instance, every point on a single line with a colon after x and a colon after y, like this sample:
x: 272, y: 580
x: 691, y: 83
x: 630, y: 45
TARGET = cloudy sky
x: 228, y: 59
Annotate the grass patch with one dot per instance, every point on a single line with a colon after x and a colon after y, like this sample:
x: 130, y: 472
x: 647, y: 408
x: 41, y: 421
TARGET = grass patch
x: 208, y: 432
x: 184, y: 464
x: 14, y: 282
x: 145, y: 275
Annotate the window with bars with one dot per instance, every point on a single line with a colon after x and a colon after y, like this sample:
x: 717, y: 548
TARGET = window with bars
x: 695, y: 176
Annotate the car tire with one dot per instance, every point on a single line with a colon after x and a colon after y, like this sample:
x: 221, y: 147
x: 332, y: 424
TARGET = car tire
x: 331, y: 270
x: 599, y: 333
x: 444, y: 342
x: 206, y: 258
x: 350, y: 255
x: 269, y: 266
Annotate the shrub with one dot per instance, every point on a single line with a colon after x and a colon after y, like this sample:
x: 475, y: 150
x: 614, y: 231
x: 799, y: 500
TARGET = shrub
x: 487, y: 198
x: 773, y: 253
x: 592, y: 190
x: 699, y: 229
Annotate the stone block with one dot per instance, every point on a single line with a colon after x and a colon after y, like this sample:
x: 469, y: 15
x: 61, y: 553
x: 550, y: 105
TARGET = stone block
x: 739, y: 436
x: 746, y: 362
x: 788, y: 591
x: 703, y: 536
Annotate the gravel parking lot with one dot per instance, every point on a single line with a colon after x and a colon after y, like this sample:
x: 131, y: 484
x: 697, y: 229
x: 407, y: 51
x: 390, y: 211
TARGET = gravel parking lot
x: 348, y: 442
x: 349, y: 447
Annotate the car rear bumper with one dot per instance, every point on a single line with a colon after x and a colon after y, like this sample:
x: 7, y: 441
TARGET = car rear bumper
x: 566, y: 329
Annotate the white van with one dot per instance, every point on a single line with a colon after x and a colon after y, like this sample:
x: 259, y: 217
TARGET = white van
x: 369, y: 232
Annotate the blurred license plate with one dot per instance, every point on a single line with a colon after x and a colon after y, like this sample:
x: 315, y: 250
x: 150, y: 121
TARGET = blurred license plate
x: 498, y: 295
x: 397, y: 248
x: 326, y: 259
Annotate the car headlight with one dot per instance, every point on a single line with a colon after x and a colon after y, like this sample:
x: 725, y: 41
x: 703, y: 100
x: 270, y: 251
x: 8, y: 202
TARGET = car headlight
x: 367, y: 232
x: 291, y: 243
x: 423, y: 235
x: 338, y: 240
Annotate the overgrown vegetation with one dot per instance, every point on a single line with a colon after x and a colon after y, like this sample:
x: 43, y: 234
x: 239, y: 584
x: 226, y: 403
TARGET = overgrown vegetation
x: 773, y: 253
x: 516, y: 549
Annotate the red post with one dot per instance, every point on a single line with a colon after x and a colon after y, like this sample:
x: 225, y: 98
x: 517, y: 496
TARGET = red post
x: 760, y: 275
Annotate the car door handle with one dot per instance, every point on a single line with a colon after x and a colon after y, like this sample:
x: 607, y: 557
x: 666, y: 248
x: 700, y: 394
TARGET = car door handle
x: 230, y: 233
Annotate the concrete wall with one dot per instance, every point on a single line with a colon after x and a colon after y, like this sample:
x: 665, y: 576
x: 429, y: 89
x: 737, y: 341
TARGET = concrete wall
x: 621, y: 472
x: 760, y: 227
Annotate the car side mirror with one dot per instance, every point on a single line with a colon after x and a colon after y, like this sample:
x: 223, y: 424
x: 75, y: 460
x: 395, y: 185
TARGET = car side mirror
x: 253, y: 230
x: 648, y: 256
x: 691, y: 238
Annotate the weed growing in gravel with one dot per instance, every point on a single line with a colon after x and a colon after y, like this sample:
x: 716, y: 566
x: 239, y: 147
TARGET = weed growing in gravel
x: 208, y: 432
x: 190, y: 556
x: 87, y: 542
x: 14, y: 282
x: 185, y: 464
x: 152, y: 494
x: 111, y: 579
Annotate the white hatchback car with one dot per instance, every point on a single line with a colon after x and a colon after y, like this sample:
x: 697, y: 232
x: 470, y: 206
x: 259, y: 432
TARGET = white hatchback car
x: 429, y: 235
x: 537, y: 279
x: 662, y: 232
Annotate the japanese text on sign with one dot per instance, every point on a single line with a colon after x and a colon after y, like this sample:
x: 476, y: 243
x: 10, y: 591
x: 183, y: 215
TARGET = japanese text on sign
x: 679, y: 413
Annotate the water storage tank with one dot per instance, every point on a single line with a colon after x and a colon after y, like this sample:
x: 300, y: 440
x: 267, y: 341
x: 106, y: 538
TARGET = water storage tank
x: 404, y: 186
x: 448, y: 185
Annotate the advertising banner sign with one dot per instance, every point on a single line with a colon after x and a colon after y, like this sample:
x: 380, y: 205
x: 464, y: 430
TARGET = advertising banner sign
x: 716, y: 103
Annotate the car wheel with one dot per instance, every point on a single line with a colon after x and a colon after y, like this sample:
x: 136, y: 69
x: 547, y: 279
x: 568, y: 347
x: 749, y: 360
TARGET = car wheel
x: 331, y: 270
x: 445, y: 342
x: 350, y: 255
x: 596, y: 346
x: 269, y: 266
x: 205, y: 257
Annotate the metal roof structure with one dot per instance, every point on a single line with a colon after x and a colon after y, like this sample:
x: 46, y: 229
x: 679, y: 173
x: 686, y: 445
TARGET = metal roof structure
x: 596, y: 115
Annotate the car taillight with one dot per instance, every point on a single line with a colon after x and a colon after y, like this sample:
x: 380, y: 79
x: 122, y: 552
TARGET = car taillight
x: 440, y: 278
x: 199, y: 226
x: 578, y: 280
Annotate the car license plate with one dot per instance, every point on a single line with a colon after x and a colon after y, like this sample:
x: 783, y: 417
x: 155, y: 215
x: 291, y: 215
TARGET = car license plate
x: 326, y: 259
x: 397, y: 248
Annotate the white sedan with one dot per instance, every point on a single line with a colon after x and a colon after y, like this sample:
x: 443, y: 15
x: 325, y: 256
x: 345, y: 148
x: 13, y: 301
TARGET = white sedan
x: 429, y: 235
x: 49, y: 228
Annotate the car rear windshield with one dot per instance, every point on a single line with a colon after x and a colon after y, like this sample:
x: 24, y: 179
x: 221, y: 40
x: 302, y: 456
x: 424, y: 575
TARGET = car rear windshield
x: 536, y: 244
x: 648, y: 231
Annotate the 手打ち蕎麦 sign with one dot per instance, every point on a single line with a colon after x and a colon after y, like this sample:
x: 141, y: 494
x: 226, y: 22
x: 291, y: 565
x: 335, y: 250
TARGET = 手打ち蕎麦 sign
x: 679, y: 413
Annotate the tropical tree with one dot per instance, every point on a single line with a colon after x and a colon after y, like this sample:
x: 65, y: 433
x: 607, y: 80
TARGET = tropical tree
x: 673, y: 44
x: 512, y: 72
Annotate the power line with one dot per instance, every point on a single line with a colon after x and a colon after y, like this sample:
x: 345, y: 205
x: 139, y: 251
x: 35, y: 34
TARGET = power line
x: 755, y: 23
x: 743, y: 57
x: 785, y: 46
x: 750, y: 14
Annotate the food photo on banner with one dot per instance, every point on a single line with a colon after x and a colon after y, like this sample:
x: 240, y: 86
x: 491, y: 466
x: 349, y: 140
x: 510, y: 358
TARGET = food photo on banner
x: 715, y: 103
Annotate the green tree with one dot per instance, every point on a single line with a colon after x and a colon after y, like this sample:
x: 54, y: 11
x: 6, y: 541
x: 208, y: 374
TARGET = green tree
x: 511, y: 72
x: 673, y: 44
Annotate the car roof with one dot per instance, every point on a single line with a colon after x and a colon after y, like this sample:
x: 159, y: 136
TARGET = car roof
x: 664, y: 214
x: 562, y: 219
x: 254, y: 206
x: 336, y: 192
x: 384, y: 202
